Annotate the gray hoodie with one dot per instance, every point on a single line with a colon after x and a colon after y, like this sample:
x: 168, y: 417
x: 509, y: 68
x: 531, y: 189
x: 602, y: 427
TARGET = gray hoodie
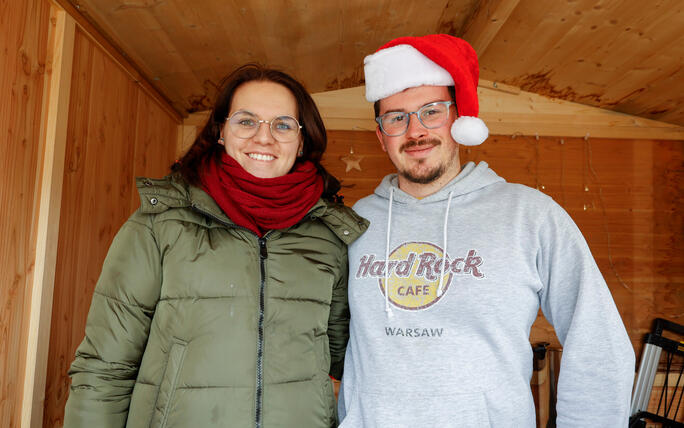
x: 448, y: 346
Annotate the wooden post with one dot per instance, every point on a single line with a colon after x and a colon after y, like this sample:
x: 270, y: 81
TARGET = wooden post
x: 53, y: 143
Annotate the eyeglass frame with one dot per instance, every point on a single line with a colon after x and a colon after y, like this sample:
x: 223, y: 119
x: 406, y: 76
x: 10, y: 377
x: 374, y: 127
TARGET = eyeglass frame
x: 408, y: 117
x: 270, y: 129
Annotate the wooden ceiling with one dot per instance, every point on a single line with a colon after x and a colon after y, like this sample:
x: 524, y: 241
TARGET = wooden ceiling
x: 619, y: 55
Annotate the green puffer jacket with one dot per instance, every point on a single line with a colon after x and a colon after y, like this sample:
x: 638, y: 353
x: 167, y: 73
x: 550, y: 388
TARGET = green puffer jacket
x: 196, y: 322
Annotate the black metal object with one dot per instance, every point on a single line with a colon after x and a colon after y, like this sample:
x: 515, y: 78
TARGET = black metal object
x: 668, y: 404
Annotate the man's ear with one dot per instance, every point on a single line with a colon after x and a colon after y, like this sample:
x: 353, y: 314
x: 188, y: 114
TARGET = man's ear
x: 379, y: 134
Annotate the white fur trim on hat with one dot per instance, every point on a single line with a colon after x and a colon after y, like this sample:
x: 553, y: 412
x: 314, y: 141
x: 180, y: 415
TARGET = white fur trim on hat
x: 391, y: 70
x: 469, y: 131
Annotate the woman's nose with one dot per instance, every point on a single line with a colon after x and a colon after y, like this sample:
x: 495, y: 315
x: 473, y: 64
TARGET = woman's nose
x: 263, y: 134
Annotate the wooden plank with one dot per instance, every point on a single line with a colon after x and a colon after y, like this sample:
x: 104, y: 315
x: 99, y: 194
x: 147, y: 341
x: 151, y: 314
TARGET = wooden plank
x: 156, y: 140
x: 483, y: 26
x: 108, y: 143
x: 24, y: 38
x: 187, y: 135
x: 54, y: 142
x: 98, y: 183
x: 120, y: 26
x: 616, y: 55
x: 122, y: 59
x: 185, y: 48
x: 197, y: 119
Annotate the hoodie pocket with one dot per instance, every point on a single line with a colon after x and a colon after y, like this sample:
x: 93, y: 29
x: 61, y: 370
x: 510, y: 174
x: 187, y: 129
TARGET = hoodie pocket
x: 409, y: 410
x: 169, y: 382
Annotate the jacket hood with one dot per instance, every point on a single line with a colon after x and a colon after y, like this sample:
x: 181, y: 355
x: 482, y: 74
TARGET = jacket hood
x: 471, y: 178
x: 160, y: 195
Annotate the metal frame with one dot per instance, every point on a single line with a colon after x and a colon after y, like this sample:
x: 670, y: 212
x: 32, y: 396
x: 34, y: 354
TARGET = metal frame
x: 654, y: 346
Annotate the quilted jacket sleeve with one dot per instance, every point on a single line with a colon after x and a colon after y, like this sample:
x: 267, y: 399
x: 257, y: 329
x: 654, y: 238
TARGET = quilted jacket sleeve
x: 107, y: 361
x: 338, y: 322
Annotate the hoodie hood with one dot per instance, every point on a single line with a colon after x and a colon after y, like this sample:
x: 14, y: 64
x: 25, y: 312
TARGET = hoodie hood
x: 471, y: 178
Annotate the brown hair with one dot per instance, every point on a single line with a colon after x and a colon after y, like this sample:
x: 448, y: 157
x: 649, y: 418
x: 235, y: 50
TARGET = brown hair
x: 206, y: 147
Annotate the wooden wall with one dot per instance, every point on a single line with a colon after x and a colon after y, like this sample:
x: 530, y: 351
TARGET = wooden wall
x: 625, y: 196
x: 115, y: 131
x: 23, y: 51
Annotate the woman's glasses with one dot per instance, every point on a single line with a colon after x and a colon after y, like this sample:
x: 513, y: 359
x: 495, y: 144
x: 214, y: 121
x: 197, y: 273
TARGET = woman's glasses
x: 244, y: 124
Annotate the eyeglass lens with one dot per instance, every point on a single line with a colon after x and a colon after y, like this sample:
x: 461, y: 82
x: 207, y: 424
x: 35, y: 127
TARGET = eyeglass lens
x: 246, y: 125
x: 431, y: 116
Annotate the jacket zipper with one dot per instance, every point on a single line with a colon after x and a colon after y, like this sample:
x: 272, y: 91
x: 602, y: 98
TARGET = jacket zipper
x: 263, y: 255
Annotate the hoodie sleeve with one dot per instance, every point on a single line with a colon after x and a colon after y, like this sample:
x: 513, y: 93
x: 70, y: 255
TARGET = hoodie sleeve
x: 597, y: 367
x: 107, y: 361
x: 338, y: 322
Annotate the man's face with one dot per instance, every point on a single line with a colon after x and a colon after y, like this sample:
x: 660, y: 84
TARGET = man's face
x: 421, y: 155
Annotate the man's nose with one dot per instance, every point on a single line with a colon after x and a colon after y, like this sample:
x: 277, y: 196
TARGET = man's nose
x: 415, y: 129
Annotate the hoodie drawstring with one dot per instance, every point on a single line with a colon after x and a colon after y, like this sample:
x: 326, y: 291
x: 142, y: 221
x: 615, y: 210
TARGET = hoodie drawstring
x: 388, y: 310
x: 444, y: 254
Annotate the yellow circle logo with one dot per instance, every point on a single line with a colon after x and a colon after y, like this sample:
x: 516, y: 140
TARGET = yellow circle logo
x: 414, y: 275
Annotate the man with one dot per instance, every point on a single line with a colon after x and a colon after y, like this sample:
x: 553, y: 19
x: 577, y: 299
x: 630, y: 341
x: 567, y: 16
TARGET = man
x: 447, y: 281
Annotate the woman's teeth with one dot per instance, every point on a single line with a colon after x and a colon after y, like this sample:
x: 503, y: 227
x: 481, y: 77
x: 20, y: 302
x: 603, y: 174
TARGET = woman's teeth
x: 259, y: 156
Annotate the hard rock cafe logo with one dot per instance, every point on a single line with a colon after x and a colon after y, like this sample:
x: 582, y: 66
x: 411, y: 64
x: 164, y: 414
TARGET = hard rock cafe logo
x: 414, y: 273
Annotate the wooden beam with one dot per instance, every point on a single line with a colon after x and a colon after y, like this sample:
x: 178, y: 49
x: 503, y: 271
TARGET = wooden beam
x: 53, y: 144
x: 188, y: 130
x: 186, y: 136
x: 197, y: 119
x: 508, y: 111
x: 486, y: 22
x: 531, y: 114
x: 505, y: 109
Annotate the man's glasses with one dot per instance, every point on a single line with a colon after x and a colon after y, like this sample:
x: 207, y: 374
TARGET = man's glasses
x: 433, y: 115
x: 244, y: 124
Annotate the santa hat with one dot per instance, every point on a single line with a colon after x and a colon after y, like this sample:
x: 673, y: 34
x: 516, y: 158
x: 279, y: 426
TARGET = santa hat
x: 436, y: 60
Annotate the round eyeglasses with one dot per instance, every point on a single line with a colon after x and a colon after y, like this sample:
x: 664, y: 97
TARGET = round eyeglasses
x: 244, y: 124
x: 433, y: 115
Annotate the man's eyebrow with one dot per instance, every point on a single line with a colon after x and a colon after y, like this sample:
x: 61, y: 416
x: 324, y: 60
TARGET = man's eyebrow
x: 395, y: 111
x: 401, y: 110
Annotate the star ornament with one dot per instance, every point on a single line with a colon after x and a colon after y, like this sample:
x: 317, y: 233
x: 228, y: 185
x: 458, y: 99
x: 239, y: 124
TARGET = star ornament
x: 351, y: 161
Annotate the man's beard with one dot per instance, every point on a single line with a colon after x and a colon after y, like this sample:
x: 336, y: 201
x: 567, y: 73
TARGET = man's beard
x: 422, y: 177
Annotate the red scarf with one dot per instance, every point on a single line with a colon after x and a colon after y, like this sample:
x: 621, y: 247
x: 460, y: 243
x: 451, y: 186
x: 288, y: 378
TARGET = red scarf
x: 262, y: 204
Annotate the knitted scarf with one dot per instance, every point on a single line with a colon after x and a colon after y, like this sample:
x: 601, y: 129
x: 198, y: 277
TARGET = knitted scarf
x: 262, y: 204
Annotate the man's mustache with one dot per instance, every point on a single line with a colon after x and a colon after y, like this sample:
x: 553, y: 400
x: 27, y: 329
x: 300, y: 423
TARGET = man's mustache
x: 424, y: 142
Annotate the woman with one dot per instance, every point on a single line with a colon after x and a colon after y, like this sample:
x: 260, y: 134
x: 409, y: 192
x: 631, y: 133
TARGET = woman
x: 222, y: 301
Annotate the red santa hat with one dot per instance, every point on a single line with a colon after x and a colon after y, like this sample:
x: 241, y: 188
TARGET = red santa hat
x: 436, y: 60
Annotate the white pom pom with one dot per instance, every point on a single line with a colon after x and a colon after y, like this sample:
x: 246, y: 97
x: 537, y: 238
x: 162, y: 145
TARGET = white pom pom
x: 469, y: 131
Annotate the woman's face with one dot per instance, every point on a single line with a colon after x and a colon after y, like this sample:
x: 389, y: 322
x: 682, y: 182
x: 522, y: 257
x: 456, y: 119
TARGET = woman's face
x: 262, y: 155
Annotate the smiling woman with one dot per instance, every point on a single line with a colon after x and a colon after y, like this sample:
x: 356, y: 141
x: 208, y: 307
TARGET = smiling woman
x: 223, y: 299
x: 263, y: 151
x: 275, y: 94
